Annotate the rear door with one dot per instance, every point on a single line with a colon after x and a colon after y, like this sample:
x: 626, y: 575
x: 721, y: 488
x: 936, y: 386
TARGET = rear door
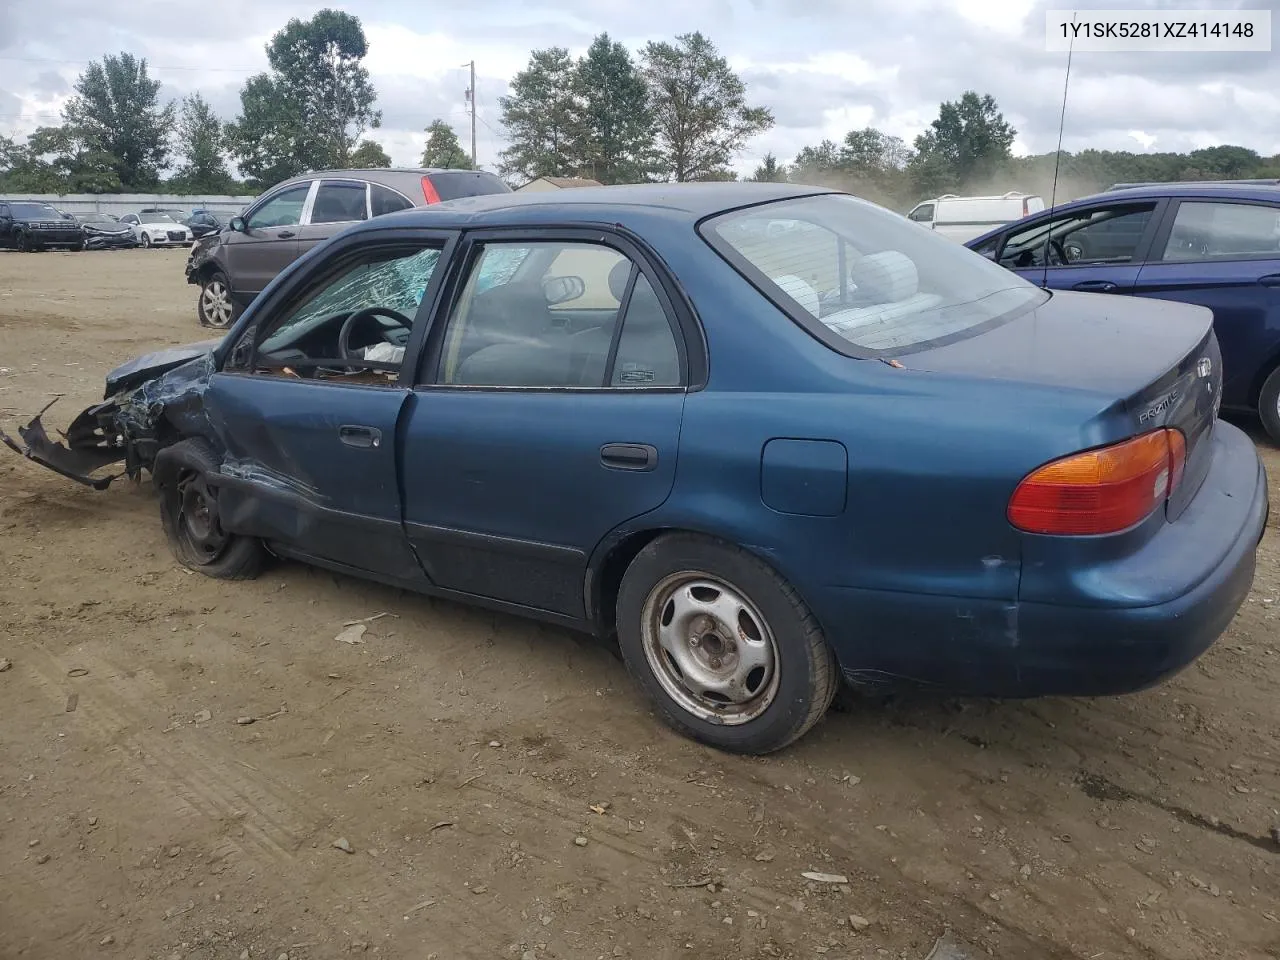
x: 1097, y: 247
x: 337, y: 204
x: 269, y: 242
x: 1224, y: 255
x: 548, y: 413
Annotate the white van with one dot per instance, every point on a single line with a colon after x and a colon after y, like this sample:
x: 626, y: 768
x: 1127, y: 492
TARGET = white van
x: 963, y: 218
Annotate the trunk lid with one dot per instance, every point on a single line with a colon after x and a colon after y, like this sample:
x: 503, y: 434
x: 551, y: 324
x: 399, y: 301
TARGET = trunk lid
x: 1152, y: 363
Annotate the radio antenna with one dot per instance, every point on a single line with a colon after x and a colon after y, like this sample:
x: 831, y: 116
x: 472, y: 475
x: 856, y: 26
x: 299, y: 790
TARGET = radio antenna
x: 1057, y: 157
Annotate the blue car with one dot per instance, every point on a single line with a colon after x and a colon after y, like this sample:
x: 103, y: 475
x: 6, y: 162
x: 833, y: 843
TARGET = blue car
x: 771, y: 437
x: 1212, y: 244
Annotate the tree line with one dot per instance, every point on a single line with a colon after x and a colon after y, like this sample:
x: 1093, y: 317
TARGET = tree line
x: 671, y: 111
x: 968, y: 148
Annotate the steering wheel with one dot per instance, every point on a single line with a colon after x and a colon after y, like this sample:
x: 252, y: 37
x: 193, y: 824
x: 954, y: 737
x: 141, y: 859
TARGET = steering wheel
x: 344, y: 335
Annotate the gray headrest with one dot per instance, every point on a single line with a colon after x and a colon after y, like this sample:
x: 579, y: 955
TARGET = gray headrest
x: 618, y: 278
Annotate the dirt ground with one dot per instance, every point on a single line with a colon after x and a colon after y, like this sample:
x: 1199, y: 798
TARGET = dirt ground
x: 461, y: 756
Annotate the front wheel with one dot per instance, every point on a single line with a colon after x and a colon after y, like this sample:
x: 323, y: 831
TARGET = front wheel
x: 725, y: 649
x: 215, y: 308
x: 191, y: 519
x: 146, y: 239
x: 1269, y: 405
x: 24, y: 242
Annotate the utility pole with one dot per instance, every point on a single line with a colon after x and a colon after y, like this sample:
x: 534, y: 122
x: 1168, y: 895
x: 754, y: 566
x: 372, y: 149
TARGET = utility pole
x: 471, y: 102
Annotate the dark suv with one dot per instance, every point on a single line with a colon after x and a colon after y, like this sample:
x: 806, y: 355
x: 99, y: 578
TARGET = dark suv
x: 34, y: 225
x: 235, y: 265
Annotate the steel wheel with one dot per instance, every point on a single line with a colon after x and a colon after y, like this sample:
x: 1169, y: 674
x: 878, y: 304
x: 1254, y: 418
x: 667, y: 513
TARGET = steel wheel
x: 198, y: 524
x: 710, y: 648
x: 215, y: 302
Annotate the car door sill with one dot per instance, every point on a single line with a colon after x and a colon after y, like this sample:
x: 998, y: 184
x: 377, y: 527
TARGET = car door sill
x: 576, y: 624
x: 551, y: 552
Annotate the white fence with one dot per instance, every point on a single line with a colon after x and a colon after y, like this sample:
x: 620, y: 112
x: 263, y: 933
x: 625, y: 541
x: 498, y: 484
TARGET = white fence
x: 122, y: 203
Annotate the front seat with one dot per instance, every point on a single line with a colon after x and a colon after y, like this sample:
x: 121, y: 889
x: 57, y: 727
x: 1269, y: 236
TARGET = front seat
x: 520, y: 346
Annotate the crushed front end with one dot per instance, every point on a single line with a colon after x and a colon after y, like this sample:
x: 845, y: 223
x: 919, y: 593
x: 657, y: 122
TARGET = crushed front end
x: 149, y: 403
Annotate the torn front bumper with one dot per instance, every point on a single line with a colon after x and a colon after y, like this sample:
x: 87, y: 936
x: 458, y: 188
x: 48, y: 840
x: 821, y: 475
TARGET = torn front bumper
x: 87, y: 450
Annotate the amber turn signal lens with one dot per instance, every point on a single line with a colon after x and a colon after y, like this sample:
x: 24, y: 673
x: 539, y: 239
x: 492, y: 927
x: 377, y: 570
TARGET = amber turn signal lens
x: 1100, y: 491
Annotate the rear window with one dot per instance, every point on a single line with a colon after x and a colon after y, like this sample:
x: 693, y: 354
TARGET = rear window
x: 467, y: 183
x: 867, y: 281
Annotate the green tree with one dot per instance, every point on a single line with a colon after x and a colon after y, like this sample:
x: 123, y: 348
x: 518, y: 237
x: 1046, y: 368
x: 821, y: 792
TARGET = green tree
x: 770, y: 171
x: 55, y: 160
x: 443, y: 151
x: 699, y: 105
x: 367, y: 155
x: 116, y: 113
x: 816, y: 162
x: 615, y: 124
x: 874, y: 153
x: 313, y: 106
x: 201, y: 142
x: 969, y: 139
x: 542, y: 116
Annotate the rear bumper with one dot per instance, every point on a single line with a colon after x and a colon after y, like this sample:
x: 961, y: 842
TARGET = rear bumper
x: 987, y: 647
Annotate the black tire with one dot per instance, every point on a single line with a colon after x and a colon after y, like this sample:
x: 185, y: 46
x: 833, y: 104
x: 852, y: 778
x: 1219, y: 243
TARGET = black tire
x: 146, y: 240
x: 79, y: 247
x: 206, y: 312
x: 189, y: 515
x: 23, y: 242
x: 789, y: 699
x: 1269, y: 405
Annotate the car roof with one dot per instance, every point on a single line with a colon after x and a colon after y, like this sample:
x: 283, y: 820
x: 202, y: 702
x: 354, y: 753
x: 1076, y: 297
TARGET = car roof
x: 606, y: 204
x: 1210, y: 188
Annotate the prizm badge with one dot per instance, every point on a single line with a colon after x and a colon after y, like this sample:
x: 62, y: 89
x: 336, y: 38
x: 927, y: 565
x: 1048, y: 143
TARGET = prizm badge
x: 1159, y: 407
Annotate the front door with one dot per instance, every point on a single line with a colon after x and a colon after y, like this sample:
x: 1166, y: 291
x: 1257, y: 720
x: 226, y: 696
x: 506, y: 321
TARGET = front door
x: 268, y: 243
x: 308, y: 409
x: 337, y: 205
x: 1224, y: 255
x: 1096, y: 248
x: 548, y: 413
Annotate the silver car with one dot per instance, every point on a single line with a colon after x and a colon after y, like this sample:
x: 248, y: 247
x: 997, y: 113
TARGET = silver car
x: 234, y: 265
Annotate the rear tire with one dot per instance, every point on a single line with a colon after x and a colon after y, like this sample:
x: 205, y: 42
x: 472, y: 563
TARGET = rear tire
x: 1269, y: 405
x: 724, y: 647
x: 189, y: 515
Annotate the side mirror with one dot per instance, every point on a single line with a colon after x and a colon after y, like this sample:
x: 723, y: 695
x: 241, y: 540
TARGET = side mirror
x: 238, y: 225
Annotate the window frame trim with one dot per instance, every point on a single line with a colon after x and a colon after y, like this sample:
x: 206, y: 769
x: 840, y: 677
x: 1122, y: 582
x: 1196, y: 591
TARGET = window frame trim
x: 315, y: 195
x: 674, y: 302
x: 297, y: 285
x: 1160, y: 241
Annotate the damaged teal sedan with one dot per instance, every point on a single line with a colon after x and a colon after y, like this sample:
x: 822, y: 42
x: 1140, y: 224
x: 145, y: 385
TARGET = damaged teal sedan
x: 772, y: 438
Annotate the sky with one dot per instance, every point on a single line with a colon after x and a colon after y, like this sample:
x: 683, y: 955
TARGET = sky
x: 823, y: 67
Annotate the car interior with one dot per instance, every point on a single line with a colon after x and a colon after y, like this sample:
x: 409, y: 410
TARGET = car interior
x: 356, y: 327
x: 523, y: 333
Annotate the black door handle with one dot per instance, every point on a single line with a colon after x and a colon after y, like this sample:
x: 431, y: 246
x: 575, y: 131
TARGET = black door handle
x: 1098, y: 286
x: 357, y: 436
x: 1270, y: 280
x: 629, y: 456
x: 285, y: 234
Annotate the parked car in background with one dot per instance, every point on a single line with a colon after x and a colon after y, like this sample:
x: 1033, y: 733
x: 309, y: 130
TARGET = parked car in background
x: 1216, y: 245
x: 201, y: 223
x: 158, y: 230
x: 764, y: 466
x: 31, y: 225
x: 102, y: 232
x: 234, y: 266
x: 963, y: 218
x: 173, y: 213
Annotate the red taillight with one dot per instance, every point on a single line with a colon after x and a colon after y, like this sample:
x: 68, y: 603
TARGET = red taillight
x: 1101, y: 491
x: 429, y: 191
